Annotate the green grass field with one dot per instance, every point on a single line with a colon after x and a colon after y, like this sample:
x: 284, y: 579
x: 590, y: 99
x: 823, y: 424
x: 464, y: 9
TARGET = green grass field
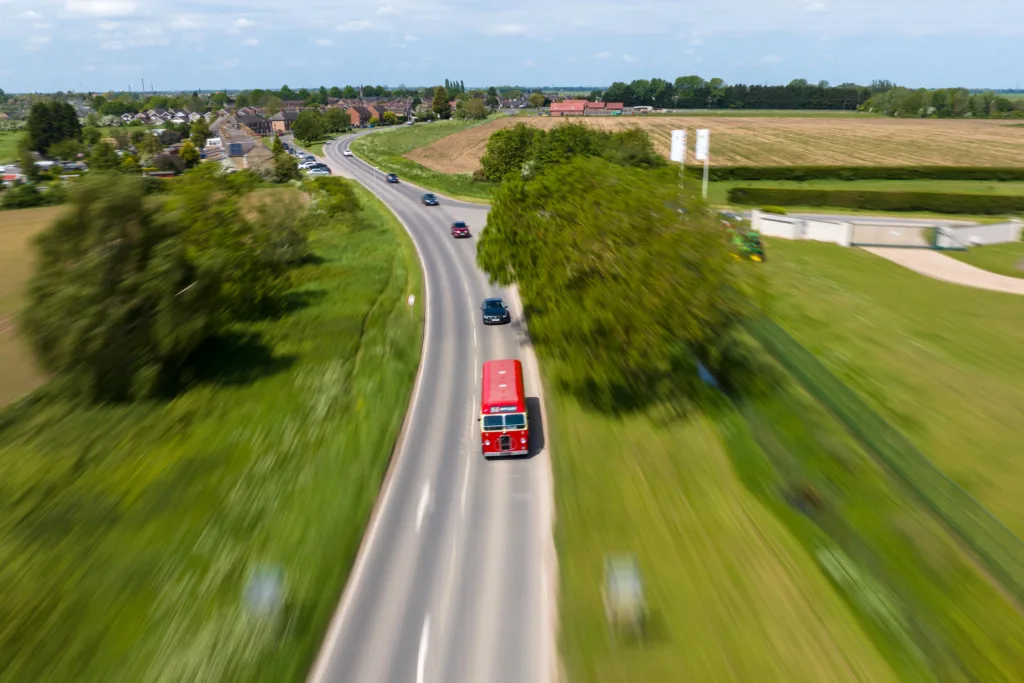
x: 733, y: 595
x: 130, y: 531
x: 718, y: 191
x: 939, y: 361
x: 17, y: 366
x: 9, y: 146
x: 1005, y: 259
x: 385, y: 149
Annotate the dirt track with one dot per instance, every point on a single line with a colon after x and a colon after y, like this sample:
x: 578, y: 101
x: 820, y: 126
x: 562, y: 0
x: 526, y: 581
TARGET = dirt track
x: 779, y: 140
x: 940, y: 267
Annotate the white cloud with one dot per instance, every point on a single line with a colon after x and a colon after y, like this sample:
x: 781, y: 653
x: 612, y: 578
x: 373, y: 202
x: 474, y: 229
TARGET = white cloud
x: 603, y: 55
x: 184, y: 22
x: 112, y: 45
x: 386, y: 11
x: 324, y: 42
x: 628, y: 58
x: 506, y: 30
x: 242, y: 22
x: 102, y: 8
x: 571, y: 59
x: 815, y: 7
x: 360, y: 25
x: 529, y: 62
x: 770, y: 59
x: 252, y: 42
x: 34, y: 43
x: 107, y: 25
x: 29, y: 14
x: 410, y: 38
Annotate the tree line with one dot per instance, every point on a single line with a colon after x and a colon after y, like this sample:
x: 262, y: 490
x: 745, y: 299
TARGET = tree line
x: 693, y: 92
x: 127, y: 291
x: 943, y: 103
x: 628, y: 282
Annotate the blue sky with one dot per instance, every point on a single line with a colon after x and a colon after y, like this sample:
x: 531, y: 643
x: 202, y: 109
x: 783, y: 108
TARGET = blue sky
x: 109, y: 44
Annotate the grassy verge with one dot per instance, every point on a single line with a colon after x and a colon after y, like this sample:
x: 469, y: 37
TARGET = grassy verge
x: 130, y: 531
x: 942, y: 363
x: 718, y: 191
x: 1005, y: 259
x: 733, y: 594
x: 928, y: 606
x: 17, y: 365
x: 385, y: 150
x: 853, y: 214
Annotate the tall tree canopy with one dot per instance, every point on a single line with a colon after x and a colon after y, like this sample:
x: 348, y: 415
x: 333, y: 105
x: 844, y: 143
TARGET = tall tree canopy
x: 50, y: 122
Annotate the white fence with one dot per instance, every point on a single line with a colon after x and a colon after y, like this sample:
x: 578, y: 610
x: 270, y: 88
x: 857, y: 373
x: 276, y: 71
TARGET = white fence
x: 971, y: 235
x: 878, y: 234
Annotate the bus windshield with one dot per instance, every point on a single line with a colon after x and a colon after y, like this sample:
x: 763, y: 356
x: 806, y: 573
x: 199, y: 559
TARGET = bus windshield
x: 493, y: 422
x: 517, y: 421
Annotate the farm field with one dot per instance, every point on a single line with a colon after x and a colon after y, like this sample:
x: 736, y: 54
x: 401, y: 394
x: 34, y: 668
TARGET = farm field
x: 389, y: 150
x: 941, y: 362
x: 779, y: 141
x: 1005, y: 259
x: 17, y: 365
x: 132, y: 530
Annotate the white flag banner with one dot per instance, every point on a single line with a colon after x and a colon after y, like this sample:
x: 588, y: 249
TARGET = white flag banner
x: 703, y: 143
x: 678, y: 152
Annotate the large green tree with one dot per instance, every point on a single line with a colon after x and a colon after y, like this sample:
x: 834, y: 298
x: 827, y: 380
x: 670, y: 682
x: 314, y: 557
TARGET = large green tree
x: 189, y: 154
x: 336, y: 120
x: 309, y: 126
x: 627, y: 282
x: 116, y: 305
x: 471, y: 109
x: 104, y: 157
x: 50, y: 122
x: 441, y: 106
x: 508, y: 150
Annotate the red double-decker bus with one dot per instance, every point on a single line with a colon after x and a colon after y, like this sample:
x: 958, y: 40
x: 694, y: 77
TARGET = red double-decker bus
x: 504, y: 429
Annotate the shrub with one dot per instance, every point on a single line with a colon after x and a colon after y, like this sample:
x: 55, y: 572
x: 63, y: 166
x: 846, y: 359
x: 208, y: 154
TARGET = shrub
x: 936, y: 202
x: 168, y: 162
x: 801, y: 173
x: 23, y: 196
x: 774, y: 209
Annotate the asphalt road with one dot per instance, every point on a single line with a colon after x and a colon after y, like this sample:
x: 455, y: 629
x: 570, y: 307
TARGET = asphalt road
x: 455, y: 579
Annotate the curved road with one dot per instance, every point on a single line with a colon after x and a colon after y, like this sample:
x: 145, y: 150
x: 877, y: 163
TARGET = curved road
x: 454, y: 582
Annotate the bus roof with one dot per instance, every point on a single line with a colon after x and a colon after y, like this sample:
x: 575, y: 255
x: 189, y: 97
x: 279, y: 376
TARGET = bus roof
x: 502, y: 387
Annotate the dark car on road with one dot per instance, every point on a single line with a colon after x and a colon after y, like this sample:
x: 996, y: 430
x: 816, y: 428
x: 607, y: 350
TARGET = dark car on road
x: 429, y: 199
x: 495, y: 312
x: 460, y: 229
x: 392, y: 178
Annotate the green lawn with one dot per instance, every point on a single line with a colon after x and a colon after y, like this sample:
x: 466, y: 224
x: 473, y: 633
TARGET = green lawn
x: 941, y: 362
x: 9, y: 146
x: 385, y: 150
x: 1005, y: 259
x: 129, y: 531
x: 733, y: 594
x: 776, y: 113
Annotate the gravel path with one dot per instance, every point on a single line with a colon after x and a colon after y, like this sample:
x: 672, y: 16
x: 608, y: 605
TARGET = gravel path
x: 941, y: 267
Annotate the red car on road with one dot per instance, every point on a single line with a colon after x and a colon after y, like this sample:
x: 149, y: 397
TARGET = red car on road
x: 460, y: 229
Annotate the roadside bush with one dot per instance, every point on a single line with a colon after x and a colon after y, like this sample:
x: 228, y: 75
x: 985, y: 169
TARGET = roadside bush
x: 334, y: 196
x: 936, y: 202
x: 774, y: 209
x: 168, y: 162
x: 241, y: 182
x: 23, y: 196
x: 802, y: 173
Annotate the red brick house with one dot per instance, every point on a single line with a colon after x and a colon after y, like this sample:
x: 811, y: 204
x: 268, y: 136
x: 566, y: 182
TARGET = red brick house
x: 569, y: 108
x: 359, y: 116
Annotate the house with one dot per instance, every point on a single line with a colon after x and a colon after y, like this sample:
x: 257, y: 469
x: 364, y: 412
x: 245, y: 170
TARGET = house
x: 569, y: 108
x: 126, y: 117
x: 282, y: 121
x: 359, y: 116
x: 222, y: 112
x: 4, y: 116
x: 194, y: 116
x: 208, y: 116
x: 140, y: 117
x: 257, y: 124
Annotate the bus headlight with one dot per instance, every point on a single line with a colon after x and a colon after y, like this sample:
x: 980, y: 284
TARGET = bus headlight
x: 487, y: 442
x: 522, y: 440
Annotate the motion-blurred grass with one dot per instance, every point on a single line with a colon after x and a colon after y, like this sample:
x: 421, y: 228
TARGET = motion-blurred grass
x: 127, y: 533
x: 733, y: 595
x: 942, y: 363
x: 1004, y: 259
x: 385, y: 150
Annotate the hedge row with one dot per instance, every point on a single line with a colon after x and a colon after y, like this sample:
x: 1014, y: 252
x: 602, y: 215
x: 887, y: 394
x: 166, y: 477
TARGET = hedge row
x: 800, y: 173
x: 879, y: 200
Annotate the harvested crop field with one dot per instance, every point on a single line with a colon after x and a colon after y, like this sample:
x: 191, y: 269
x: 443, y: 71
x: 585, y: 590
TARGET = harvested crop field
x: 779, y: 141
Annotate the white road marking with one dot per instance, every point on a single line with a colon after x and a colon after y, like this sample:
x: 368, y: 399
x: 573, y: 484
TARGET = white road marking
x: 421, y: 660
x: 465, y: 487
x: 424, y: 499
x: 474, y: 336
